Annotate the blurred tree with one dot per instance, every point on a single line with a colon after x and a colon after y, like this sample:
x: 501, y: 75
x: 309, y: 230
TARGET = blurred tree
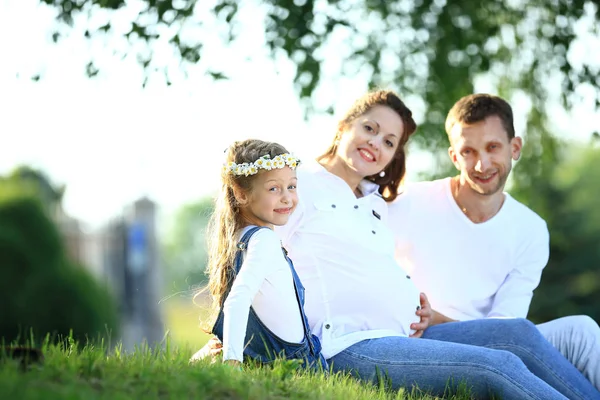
x: 184, y: 247
x: 431, y: 48
x: 571, y: 281
x: 41, y: 291
x: 50, y: 195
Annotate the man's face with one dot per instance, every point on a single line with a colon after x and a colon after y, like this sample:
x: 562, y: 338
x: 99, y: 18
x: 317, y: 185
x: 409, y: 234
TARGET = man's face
x: 483, y: 153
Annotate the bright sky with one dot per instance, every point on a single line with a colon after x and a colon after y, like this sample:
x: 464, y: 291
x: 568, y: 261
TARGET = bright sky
x: 110, y: 141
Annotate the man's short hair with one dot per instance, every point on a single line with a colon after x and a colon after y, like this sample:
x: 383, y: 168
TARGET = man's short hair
x: 477, y: 107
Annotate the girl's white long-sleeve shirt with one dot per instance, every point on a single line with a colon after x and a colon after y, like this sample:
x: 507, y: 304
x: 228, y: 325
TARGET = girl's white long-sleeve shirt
x: 264, y: 281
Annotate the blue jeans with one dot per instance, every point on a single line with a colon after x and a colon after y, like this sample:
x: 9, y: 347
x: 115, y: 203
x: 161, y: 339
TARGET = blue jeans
x: 508, y: 358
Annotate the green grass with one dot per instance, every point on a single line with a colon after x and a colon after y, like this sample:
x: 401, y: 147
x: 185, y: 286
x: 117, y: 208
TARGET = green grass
x: 93, y: 373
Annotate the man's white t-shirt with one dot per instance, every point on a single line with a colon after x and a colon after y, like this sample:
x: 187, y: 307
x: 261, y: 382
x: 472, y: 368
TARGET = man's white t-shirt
x: 468, y: 270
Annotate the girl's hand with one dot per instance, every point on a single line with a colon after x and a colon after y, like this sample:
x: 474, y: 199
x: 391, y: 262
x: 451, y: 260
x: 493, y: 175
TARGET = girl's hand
x: 213, y: 348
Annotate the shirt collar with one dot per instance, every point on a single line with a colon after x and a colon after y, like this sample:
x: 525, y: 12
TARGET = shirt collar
x: 366, y: 187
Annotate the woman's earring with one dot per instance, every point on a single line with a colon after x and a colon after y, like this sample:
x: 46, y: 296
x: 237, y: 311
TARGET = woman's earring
x: 338, y: 136
x: 382, y: 174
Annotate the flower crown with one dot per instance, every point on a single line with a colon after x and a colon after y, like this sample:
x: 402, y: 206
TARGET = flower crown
x: 264, y: 162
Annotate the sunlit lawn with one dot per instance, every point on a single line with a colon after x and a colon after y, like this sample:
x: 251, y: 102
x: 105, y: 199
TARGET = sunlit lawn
x: 182, y: 320
x: 94, y: 372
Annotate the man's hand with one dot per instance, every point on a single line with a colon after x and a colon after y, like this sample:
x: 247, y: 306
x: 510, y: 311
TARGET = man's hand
x: 439, y: 318
x: 213, y: 348
x: 426, y: 315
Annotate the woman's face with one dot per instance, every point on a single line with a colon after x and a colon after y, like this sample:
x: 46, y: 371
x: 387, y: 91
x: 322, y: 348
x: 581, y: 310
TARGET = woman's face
x: 369, y: 143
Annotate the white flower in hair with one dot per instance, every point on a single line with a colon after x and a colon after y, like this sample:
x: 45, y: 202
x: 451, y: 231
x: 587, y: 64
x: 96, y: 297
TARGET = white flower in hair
x: 265, y: 162
x: 268, y: 165
x: 278, y: 162
x: 230, y: 166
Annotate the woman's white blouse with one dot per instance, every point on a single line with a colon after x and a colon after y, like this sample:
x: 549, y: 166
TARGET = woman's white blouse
x: 344, y: 255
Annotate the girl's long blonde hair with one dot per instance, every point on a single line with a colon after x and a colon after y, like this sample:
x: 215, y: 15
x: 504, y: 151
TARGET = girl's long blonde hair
x: 226, y: 220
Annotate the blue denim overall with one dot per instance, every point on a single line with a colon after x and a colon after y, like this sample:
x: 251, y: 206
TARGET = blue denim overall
x: 260, y: 343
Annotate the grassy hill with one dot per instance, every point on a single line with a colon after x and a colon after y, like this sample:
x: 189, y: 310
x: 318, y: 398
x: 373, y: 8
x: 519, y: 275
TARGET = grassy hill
x: 93, y: 373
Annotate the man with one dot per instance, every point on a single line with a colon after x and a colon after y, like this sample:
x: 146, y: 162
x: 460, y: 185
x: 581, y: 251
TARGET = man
x: 472, y: 248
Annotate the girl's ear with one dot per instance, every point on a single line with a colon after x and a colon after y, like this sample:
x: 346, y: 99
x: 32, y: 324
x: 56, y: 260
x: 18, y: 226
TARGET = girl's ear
x: 240, y: 195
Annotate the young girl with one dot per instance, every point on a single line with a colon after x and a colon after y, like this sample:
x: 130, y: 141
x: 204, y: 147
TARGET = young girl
x: 251, y: 279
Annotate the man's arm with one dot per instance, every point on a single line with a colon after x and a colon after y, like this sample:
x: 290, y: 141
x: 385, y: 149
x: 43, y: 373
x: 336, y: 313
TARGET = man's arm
x: 514, y: 295
x: 439, y: 318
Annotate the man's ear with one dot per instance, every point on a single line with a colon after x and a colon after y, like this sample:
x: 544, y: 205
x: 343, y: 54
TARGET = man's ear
x: 452, y: 155
x: 240, y: 196
x: 516, y: 144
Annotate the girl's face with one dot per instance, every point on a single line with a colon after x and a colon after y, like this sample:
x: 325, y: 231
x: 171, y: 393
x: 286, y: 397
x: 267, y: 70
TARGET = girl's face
x: 369, y: 143
x: 272, y: 199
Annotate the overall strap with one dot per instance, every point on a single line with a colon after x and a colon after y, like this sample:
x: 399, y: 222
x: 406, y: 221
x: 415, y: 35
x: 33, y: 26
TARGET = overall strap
x: 307, y: 332
x: 242, y: 245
